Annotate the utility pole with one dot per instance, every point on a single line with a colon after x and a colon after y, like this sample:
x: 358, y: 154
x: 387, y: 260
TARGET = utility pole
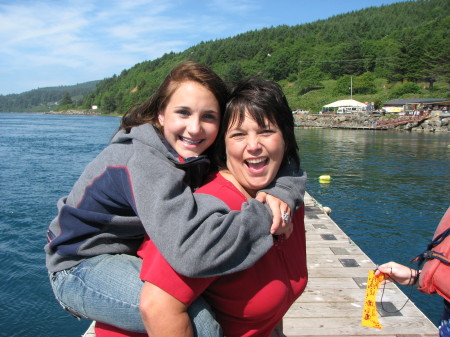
x: 351, y: 87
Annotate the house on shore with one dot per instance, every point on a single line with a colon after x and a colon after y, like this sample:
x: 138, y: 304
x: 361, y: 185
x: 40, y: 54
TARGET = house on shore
x: 405, y: 106
x: 344, y: 106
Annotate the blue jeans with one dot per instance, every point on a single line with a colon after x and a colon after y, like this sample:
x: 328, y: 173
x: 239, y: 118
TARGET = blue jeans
x: 444, y: 328
x: 107, y: 289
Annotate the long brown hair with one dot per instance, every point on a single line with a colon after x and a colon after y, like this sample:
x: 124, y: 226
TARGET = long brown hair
x: 148, y: 111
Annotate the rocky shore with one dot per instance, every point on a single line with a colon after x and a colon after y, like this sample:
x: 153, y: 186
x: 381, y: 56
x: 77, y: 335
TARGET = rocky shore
x: 89, y: 112
x: 435, y: 122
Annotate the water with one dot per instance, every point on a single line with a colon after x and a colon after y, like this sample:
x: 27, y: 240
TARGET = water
x: 388, y: 192
x: 41, y: 157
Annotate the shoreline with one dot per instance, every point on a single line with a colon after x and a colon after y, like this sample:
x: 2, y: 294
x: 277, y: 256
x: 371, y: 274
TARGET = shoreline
x: 434, y: 122
x: 86, y: 112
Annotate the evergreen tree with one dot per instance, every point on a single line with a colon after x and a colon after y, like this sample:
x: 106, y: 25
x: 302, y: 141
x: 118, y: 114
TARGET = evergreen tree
x: 234, y: 73
x: 364, y: 84
x: 343, y: 85
x: 109, y: 103
x: 310, y: 79
x: 66, y: 100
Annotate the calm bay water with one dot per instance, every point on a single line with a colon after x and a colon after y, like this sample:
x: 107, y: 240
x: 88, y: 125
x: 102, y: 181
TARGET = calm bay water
x: 388, y: 192
x: 41, y: 157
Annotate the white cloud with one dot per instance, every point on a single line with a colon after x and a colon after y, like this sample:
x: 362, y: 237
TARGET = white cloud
x: 74, y: 37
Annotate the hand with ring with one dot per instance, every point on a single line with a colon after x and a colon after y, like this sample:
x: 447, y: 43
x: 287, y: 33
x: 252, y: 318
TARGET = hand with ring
x: 285, y: 216
x: 396, y: 272
x: 282, y: 223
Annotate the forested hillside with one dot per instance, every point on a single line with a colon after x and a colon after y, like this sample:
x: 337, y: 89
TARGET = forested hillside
x: 46, y: 99
x: 393, y: 51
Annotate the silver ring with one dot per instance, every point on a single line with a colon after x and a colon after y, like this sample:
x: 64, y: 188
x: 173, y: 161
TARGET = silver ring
x: 285, y: 216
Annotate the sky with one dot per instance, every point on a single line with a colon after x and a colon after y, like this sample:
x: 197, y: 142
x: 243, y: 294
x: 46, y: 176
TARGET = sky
x: 46, y: 43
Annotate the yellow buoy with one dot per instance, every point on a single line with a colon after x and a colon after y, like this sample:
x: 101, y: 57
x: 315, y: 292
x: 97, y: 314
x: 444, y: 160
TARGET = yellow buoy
x: 324, y: 179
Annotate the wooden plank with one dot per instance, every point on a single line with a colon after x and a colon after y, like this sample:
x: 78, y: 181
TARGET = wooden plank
x: 340, y: 237
x: 336, y: 261
x: 332, y: 244
x: 318, y: 295
x: 351, y: 326
x: 336, y: 273
x: 90, y: 332
x: 319, y: 250
x: 332, y: 282
x: 330, y: 230
x: 303, y: 309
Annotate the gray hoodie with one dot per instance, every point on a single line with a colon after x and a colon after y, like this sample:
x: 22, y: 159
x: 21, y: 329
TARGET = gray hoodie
x: 135, y: 186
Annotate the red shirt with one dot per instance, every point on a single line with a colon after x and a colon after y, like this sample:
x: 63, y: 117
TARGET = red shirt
x: 246, y: 303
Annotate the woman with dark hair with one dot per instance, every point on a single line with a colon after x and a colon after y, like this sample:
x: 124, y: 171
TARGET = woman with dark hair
x: 261, y: 100
x: 256, y: 140
x: 142, y: 183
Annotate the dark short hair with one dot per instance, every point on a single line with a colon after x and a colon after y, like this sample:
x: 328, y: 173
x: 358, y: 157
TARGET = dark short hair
x: 148, y: 111
x: 261, y: 99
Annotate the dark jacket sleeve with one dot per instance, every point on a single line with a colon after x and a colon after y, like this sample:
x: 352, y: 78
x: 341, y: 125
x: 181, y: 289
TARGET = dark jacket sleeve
x: 289, y: 185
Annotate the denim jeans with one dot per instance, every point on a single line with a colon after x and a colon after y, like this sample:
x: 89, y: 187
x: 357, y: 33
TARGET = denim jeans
x: 444, y: 327
x: 107, y: 288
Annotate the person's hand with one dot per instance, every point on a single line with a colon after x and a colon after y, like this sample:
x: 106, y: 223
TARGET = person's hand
x: 396, y: 272
x: 281, y: 214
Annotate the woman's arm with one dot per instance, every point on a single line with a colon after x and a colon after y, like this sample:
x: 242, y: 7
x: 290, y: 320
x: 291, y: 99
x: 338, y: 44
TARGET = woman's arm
x: 163, y: 315
x: 277, y: 207
x: 398, y: 273
x: 166, y: 295
x: 289, y: 185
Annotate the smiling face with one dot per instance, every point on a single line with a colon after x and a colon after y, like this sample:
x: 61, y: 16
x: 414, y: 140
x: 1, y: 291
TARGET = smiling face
x: 190, y: 121
x: 254, y: 154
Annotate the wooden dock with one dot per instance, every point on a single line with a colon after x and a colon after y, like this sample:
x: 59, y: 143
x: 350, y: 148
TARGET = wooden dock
x: 332, y: 303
